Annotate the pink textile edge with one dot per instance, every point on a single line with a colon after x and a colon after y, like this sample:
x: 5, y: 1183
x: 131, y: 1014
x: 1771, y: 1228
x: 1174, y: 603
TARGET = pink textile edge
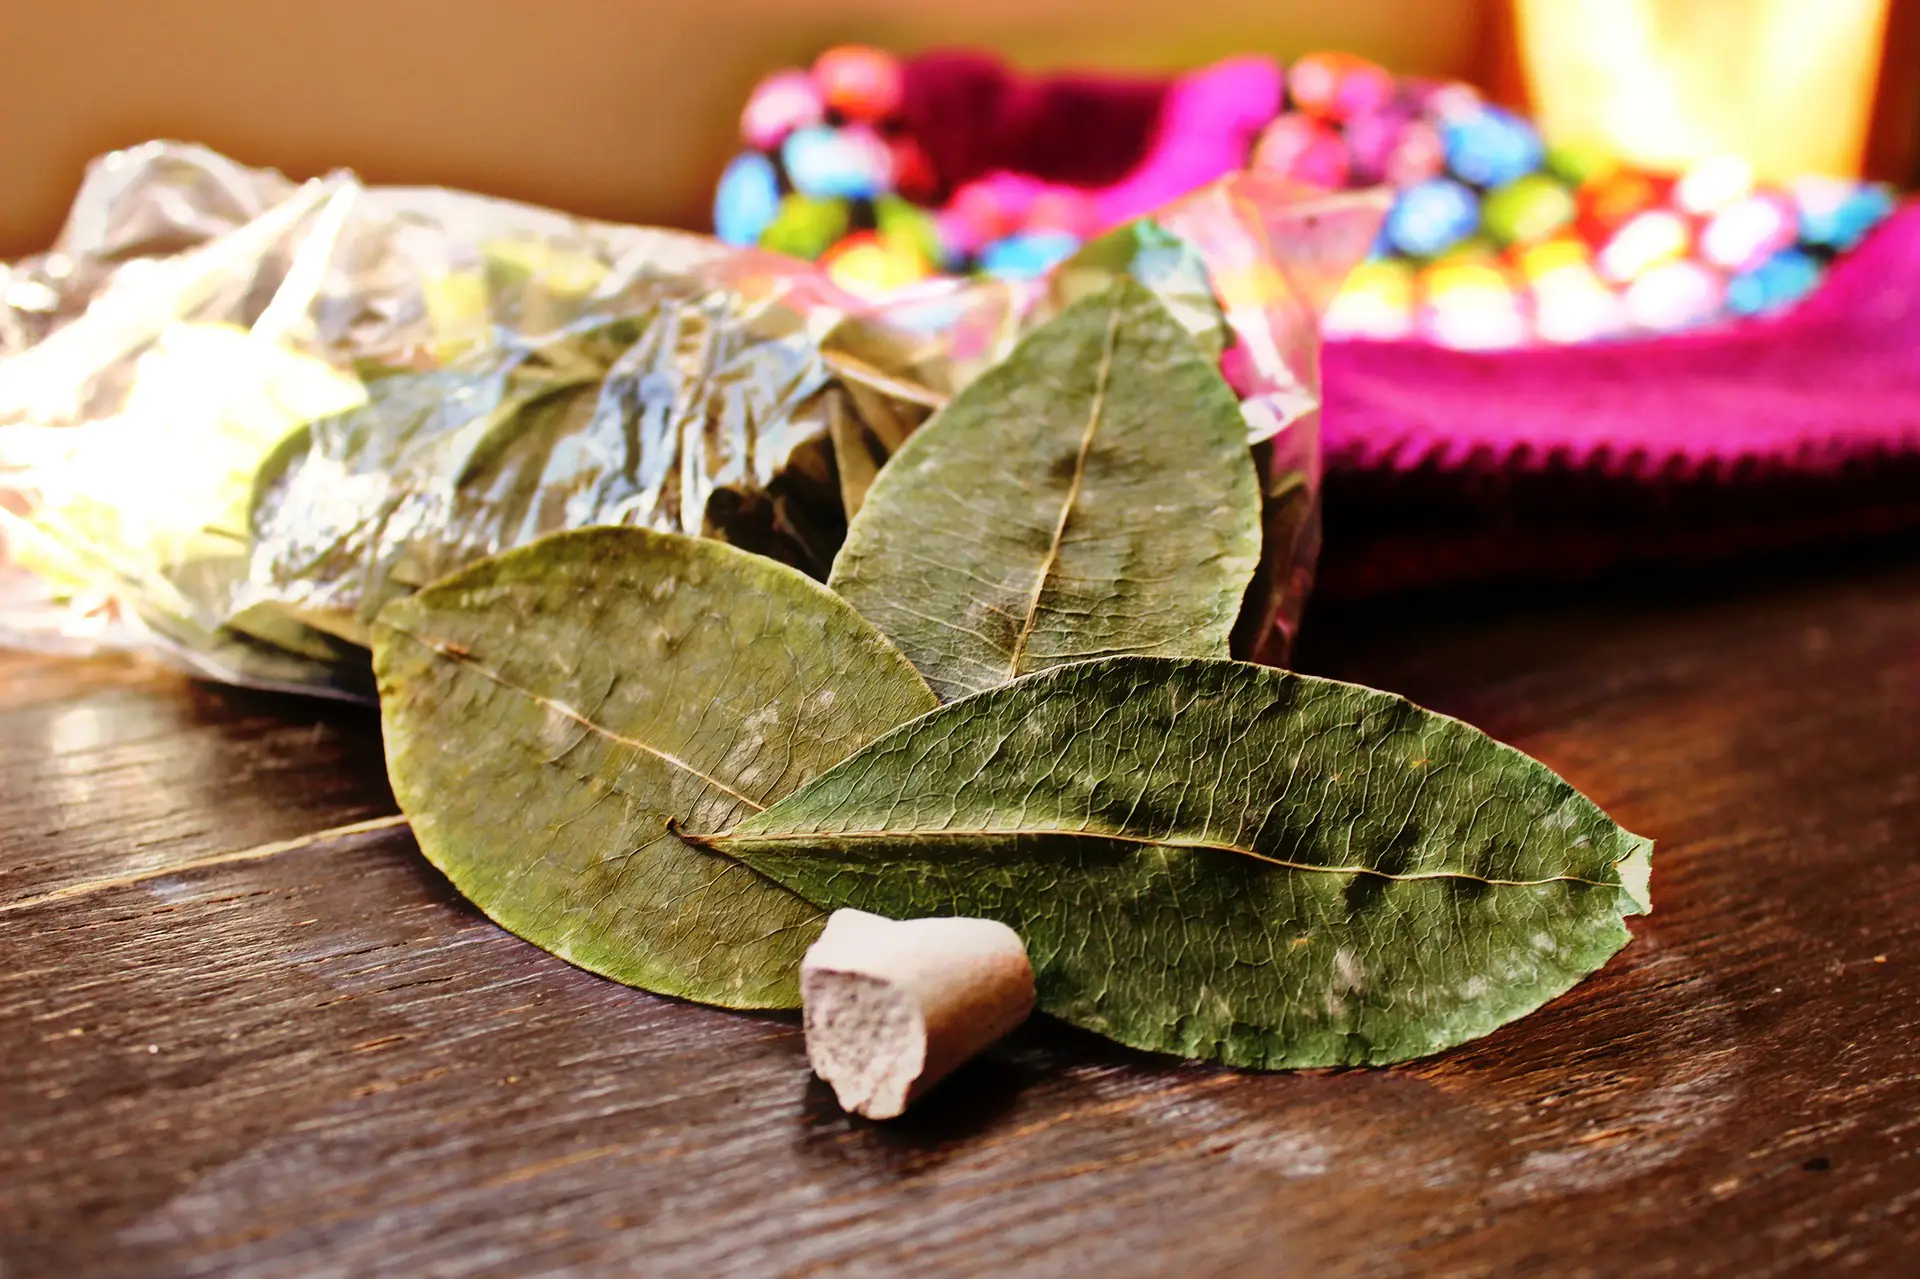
x: 1833, y: 380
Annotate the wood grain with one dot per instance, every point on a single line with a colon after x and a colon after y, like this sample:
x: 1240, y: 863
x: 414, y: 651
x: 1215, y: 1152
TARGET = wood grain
x: 320, y: 1061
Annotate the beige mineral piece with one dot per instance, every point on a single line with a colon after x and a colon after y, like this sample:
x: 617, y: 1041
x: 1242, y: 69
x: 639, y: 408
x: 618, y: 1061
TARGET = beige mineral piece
x: 893, y: 1006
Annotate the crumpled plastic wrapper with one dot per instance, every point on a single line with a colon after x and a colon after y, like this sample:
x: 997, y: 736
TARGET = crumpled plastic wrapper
x: 238, y: 414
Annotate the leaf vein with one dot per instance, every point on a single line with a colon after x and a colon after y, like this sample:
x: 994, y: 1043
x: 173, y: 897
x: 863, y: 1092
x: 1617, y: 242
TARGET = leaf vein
x: 725, y: 841
x: 561, y: 708
x: 1094, y: 411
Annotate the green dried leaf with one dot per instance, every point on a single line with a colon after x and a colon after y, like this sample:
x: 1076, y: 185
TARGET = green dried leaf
x: 1090, y: 495
x: 1226, y: 861
x: 547, y: 712
x: 699, y: 411
x: 1171, y: 267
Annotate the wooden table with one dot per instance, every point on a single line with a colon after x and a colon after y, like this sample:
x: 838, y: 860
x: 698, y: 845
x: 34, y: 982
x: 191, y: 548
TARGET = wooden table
x: 229, y: 1050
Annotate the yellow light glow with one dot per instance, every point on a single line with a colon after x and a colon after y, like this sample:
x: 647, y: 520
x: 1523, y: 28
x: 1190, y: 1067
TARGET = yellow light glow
x: 1787, y: 85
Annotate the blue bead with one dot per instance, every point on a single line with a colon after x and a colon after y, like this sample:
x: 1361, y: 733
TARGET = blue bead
x: 1491, y: 147
x: 1782, y: 279
x: 1844, y: 223
x: 746, y: 200
x: 1022, y: 257
x: 823, y: 163
x: 1790, y: 275
x: 1431, y: 217
x: 1747, y: 293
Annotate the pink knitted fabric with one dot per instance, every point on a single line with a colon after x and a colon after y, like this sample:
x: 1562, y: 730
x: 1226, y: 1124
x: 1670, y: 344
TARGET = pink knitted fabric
x: 1834, y: 380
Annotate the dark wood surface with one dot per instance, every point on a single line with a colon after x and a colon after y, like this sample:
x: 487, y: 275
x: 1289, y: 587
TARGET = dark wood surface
x: 225, y: 1050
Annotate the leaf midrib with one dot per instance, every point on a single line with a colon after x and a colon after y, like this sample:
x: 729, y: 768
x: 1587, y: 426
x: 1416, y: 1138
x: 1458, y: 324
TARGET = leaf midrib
x: 1094, y: 412
x: 724, y: 840
x: 468, y: 661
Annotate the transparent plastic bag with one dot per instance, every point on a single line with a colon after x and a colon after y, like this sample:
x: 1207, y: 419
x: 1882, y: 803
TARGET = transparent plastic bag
x: 238, y: 414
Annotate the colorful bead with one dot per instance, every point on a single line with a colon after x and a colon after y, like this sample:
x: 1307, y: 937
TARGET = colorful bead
x: 780, y: 104
x: 869, y: 264
x: 913, y: 174
x: 1540, y: 261
x: 1431, y: 217
x: 1577, y: 164
x: 1024, y: 257
x: 1526, y: 210
x: 960, y: 237
x: 1521, y: 243
x: 1420, y: 154
x: 806, y: 227
x: 1373, y: 138
x: 902, y: 223
x: 1304, y: 149
x: 1608, y: 203
x: 1836, y: 214
x: 1472, y: 306
x: 859, y: 82
x: 851, y: 163
x: 747, y: 199
x: 1646, y: 241
x: 1674, y: 295
x: 1571, y: 303
x: 1713, y: 184
x: 1376, y: 302
x: 1442, y: 100
x: 1747, y: 232
x: 1781, y: 280
x: 1490, y: 147
x: 978, y: 213
x: 1337, y: 86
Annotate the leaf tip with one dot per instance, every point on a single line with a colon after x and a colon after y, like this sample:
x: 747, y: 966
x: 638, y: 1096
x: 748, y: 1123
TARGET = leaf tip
x: 1635, y: 872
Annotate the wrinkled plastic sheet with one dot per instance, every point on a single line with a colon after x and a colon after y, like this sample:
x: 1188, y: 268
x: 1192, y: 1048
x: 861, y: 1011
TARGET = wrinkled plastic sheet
x: 239, y: 413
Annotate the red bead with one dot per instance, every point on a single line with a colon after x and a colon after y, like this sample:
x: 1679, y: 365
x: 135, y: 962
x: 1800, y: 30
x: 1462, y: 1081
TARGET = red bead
x: 1610, y: 202
x: 913, y: 174
x: 1335, y: 86
x: 861, y: 83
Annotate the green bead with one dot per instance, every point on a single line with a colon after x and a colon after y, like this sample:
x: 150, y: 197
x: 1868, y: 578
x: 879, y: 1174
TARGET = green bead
x: 1577, y: 162
x: 1526, y: 210
x: 903, y: 223
x: 805, y: 226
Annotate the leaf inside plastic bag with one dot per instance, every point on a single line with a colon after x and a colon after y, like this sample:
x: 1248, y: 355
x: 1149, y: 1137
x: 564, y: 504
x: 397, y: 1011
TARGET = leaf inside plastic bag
x: 699, y: 414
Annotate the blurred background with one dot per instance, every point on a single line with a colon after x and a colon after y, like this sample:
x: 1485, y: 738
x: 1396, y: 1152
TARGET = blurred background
x: 627, y: 109
x: 1632, y: 282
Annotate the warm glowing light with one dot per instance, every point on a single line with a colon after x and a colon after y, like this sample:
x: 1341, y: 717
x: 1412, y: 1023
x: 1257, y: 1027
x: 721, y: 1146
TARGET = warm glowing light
x: 1785, y: 84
